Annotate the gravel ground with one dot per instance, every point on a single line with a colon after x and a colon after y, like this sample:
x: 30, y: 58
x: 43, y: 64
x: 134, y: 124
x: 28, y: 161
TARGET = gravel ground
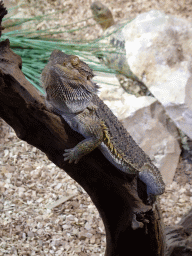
x: 45, y: 212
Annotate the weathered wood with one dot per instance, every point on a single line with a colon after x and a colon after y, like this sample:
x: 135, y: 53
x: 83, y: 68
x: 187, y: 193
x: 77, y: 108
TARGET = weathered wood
x: 132, y: 227
x: 179, y: 237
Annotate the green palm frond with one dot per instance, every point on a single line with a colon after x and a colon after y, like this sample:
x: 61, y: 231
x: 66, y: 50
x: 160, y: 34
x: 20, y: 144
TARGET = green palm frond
x: 35, y: 46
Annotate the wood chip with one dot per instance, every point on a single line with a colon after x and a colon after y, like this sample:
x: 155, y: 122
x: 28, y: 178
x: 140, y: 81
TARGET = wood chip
x: 60, y: 201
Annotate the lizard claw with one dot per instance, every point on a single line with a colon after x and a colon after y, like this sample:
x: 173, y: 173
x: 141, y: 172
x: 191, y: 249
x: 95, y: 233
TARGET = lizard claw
x: 92, y: 107
x: 69, y: 155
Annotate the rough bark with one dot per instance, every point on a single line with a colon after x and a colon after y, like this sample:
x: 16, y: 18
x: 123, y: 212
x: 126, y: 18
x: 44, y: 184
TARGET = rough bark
x: 179, y: 237
x: 132, y: 227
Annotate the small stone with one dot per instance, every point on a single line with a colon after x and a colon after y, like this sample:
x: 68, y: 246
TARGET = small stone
x: 92, y: 240
x: 87, y: 226
x: 30, y: 234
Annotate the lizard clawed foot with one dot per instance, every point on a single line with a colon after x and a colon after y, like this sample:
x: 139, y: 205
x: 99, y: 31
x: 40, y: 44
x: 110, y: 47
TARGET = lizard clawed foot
x: 70, y: 155
x: 136, y: 224
x: 92, y: 107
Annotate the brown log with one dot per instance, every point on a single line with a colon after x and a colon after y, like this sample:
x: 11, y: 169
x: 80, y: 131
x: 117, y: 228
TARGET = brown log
x: 132, y: 227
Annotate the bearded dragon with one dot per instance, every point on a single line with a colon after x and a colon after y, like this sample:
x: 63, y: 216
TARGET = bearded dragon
x: 71, y: 92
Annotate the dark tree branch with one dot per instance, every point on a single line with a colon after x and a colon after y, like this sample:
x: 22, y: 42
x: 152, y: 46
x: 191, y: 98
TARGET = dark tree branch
x: 3, y: 12
x: 179, y: 237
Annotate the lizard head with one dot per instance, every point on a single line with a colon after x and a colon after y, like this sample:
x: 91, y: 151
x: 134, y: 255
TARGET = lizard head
x: 102, y: 15
x: 68, y: 80
x: 71, y: 68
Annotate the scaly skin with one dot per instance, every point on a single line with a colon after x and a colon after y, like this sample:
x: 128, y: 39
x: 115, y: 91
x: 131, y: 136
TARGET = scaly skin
x: 72, y: 94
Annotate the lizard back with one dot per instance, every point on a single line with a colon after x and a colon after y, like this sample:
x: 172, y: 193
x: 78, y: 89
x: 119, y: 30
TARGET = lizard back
x: 126, y: 147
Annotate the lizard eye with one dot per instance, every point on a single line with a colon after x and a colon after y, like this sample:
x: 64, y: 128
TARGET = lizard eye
x: 75, y: 61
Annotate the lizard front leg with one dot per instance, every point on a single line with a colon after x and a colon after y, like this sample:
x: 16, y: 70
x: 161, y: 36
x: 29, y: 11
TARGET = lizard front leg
x: 94, y: 136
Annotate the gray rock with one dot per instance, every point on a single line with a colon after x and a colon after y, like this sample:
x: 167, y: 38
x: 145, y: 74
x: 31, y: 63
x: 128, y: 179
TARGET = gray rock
x: 159, y: 52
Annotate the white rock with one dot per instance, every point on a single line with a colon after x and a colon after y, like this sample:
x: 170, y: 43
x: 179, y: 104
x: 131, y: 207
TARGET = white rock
x: 159, y: 52
x: 70, y: 217
x: 87, y: 226
x: 66, y: 226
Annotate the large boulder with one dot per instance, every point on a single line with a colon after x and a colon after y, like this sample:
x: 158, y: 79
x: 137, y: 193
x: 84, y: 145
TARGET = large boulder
x: 159, y: 52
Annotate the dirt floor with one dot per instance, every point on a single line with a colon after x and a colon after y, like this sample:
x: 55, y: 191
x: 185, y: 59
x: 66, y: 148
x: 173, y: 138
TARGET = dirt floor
x: 43, y: 211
